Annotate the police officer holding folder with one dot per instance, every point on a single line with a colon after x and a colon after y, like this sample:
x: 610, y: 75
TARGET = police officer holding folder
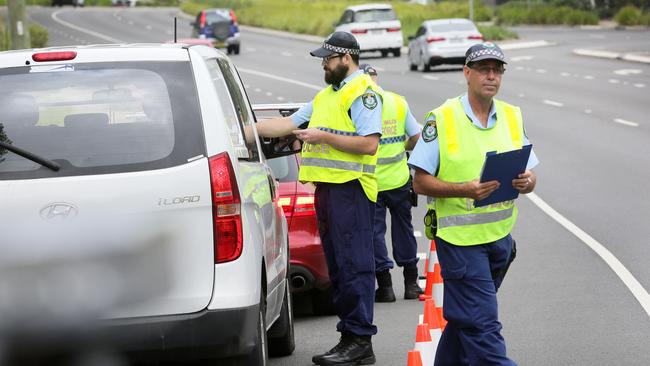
x: 474, y: 245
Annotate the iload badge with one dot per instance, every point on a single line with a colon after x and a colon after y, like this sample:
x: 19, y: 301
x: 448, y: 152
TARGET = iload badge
x: 369, y: 100
x: 429, y: 132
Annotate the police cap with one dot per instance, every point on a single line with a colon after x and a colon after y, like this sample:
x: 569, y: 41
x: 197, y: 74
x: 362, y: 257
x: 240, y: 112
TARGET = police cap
x: 484, y: 51
x: 337, y: 42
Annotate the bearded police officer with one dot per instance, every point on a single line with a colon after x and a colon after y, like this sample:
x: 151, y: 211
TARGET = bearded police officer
x: 400, y: 132
x: 339, y: 156
x: 474, y: 244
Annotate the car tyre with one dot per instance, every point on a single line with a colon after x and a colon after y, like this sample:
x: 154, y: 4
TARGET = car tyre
x: 259, y: 355
x: 322, y: 303
x: 397, y: 52
x: 281, y: 335
x: 413, y: 67
x: 384, y: 53
x: 235, y: 49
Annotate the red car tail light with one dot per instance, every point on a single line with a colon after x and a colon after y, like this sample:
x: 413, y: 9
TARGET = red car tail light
x: 475, y: 37
x: 435, y: 39
x: 54, y: 56
x: 359, y: 31
x: 394, y: 29
x: 300, y: 205
x: 226, y: 210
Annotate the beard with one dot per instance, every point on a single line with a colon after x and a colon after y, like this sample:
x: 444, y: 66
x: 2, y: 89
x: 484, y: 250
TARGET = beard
x: 336, y: 75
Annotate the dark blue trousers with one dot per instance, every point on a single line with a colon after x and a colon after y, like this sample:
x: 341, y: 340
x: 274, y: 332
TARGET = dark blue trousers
x: 345, y: 220
x: 405, y: 247
x: 473, y: 332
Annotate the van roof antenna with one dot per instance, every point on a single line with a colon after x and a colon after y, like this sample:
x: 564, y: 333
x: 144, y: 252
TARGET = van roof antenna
x: 175, y: 27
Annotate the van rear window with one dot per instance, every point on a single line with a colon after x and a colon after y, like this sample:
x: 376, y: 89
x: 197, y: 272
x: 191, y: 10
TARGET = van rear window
x: 99, y: 118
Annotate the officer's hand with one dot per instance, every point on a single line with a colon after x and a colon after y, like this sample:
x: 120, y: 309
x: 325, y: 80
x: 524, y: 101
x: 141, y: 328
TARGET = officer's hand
x: 525, y: 182
x: 479, y: 191
x: 311, y: 135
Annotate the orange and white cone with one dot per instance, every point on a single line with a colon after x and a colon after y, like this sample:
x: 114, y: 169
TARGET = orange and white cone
x: 433, y: 320
x: 432, y: 258
x: 424, y: 344
x: 433, y: 277
x: 414, y: 358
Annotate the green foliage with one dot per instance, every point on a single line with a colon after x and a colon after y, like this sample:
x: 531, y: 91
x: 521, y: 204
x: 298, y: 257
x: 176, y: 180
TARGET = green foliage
x: 520, y: 13
x: 628, y: 15
x: 38, y: 35
x: 318, y: 16
x: 496, y: 33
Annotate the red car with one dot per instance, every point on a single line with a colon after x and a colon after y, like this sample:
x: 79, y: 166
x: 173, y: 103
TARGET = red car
x: 308, y: 269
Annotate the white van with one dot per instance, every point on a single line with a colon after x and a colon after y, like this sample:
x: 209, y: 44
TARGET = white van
x: 375, y: 26
x: 121, y: 134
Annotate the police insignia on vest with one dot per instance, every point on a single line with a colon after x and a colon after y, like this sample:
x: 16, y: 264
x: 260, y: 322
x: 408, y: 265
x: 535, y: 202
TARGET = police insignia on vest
x: 429, y: 132
x: 369, y: 100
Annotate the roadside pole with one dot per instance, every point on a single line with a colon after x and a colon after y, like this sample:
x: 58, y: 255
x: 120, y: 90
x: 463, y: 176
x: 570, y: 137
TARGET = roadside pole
x: 471, y: 10
x: 18, y: 27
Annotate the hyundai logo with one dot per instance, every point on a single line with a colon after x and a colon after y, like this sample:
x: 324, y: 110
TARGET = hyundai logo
x: 59, y: 210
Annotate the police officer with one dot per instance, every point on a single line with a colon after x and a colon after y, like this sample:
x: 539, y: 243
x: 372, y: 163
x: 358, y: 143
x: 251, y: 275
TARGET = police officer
x: 339, y: 156
x: 474, y: 244
x: 400, y: 132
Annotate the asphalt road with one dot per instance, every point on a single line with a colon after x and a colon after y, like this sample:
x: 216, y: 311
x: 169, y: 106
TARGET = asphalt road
x: 561, y: 303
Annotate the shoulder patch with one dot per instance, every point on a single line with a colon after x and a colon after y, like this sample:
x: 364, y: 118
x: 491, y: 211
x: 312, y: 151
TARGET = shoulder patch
x: 430, y: 132
x: 369, y: 100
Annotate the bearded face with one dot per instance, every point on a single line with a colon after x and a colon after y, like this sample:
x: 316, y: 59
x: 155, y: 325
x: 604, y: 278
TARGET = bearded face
x: 335, y: 75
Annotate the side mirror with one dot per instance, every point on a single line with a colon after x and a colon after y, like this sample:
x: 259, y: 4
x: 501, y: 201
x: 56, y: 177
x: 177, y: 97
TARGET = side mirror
x: 192, y: 24
x: 410, y: 38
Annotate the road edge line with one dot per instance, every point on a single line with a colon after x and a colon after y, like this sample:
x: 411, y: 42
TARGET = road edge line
x: 619, y: 269
x: 55, y: 17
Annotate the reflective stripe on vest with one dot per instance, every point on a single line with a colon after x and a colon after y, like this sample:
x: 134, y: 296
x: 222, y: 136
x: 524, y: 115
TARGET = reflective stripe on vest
x: 338, y: 132
x: 392, y: 159
x: 336, y: 164
x: 392, y: 140
x: 462, y: 150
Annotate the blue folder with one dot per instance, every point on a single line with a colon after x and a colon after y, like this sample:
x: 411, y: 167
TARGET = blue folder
x: 503, y: 167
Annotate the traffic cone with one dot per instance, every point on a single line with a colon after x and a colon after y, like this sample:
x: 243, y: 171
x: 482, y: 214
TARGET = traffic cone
x: 432, y: 258
x: 433, y: 320
x: 424, y: 344
x: 414, y: 358
x: 431, y: 280
x: 443, y: 321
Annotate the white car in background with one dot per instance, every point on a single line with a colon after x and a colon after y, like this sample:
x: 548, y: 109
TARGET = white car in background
x: 375, y: 26
x: 441, y: 41
x: 116, y: 135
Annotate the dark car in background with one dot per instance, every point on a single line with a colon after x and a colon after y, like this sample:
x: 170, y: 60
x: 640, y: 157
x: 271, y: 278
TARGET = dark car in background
x: 218, y: 25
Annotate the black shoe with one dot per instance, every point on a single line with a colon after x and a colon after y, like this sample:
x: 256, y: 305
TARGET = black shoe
x: 411, y: 288
x: 344, y: 337
x: 354, y: 351
x: 384, y: 292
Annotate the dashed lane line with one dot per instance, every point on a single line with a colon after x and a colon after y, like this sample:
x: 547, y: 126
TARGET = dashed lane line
x: 627, y: 123
x: 55, y: 17
x: 640, y: 293
x: 280, y: 78
x: 553, y: 103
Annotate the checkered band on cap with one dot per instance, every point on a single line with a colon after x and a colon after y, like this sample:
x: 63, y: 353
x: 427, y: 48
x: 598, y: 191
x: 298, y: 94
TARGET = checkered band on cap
x: 337, y: 49
x: 485, y: 52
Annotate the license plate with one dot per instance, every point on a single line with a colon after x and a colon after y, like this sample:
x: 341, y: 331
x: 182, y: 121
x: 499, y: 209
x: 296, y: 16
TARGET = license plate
x: 376, y: 31
x: 455, y: 40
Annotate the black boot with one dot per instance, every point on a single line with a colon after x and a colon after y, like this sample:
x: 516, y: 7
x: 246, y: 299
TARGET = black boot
x: 384, y: 292
x: 345, y: 337
x: 411, y: 288
x: 356, y: 350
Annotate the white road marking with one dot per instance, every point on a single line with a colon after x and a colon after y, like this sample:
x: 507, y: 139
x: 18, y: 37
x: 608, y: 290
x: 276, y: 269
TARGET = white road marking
x: 250, y: 49
x: 553, y: 103
x: 565, y: 74
x: 417, y: 233
x: 287, y: 54
x: 268, y: 94
x: 627, y: 123
x: 280, y: 98
x: 625, y: 72
x: 149, y: 27
x: 588, y: 77
x: 614, y: 81
x: 639, y: 85
x: 519, y: 68
x: 430, y: 77
x: 55, y: 17
x: 130, y: 22
x: 541, y: 71
x: 521, y: 58
x: 588, y: 111
x: 521, y: 95
x: 619, y: 269
x: 257, y: 90
x: 246, y: 86
x: 280, y: 78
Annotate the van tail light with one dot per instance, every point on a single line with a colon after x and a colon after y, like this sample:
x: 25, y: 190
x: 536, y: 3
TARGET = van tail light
x: 54, y: 56
x: 226, y: 210
x: 476, y: 37
x: 435, y: 39
x: 359, y: 31
x: 394, y: 29
x: 233, y: 17
x: 202, y: 19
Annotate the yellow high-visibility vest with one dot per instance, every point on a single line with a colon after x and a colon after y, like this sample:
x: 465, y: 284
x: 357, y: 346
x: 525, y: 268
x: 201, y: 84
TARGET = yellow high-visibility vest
x: 392, y: 170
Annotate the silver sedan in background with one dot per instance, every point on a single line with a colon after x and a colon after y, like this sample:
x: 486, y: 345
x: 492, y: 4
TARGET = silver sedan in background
x: 441, y: 41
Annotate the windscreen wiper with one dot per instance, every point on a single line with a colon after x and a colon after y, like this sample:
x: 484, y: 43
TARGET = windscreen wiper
x: 33, y: 157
